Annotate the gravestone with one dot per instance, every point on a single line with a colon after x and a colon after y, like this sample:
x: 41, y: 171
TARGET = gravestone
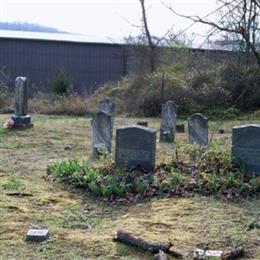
x: 37, y: 235
x: 246, y: 147
x: 180, y: 128
x: 168, y: 122
x: 20, y: 118
x: 101, y: 134
x: 107, y: 106
x: 198, y: 130
x: 143, y: 123
x: 135, y: 147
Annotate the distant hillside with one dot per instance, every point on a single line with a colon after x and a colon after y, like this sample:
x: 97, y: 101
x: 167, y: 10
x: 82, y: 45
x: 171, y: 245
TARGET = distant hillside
x: 30, y: 27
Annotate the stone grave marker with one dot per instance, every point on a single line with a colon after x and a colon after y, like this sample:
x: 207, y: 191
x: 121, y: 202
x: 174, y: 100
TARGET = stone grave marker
x: 37, y: 235
x: 198, y: 130
x: 180, y: 128
x: 135, y: 147
x: 246, y: 146
x: 20, y: 118
x: 168, y: 122
x: 142, y: 123
x: 107, y: 106
x: 101, y: 134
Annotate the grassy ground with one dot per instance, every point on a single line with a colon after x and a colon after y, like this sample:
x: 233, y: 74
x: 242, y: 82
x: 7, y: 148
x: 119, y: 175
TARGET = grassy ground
x: 82, y: 226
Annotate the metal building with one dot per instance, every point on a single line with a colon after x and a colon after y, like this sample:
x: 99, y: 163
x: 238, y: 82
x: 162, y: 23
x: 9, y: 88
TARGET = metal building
x: 87, y: 64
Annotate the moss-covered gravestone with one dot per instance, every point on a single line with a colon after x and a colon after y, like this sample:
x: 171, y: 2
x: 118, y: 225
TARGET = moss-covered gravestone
x: 20, y: 118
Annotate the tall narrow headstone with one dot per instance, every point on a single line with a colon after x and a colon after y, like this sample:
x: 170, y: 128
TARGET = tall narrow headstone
x: 246, y: 147
x: 168, y: 122
x: 101, y: 134
x: 198, y: 130
x: 107, y: 106
x: 135, y: 147
x: 20, y: 118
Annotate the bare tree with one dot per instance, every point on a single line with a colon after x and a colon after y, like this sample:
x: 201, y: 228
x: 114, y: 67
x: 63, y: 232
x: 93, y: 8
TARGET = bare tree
x: 238, y: 18
x: 151, y: 44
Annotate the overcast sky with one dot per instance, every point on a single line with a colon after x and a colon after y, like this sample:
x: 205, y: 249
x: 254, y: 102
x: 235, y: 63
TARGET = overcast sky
x: 106, y: 18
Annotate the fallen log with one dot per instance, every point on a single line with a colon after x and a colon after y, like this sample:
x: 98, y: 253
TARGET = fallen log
x: 237, y: 252
x: 130, y: 239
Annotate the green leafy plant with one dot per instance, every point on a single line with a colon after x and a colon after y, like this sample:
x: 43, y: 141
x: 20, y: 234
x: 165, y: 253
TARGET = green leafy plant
x: 13, y: 184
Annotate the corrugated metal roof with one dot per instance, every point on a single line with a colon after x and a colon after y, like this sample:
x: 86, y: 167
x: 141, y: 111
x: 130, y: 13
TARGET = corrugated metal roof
x: 68, y: 37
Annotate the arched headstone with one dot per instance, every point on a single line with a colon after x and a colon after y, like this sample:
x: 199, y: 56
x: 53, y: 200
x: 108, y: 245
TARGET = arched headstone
x: 101, y: 134
x: 107, y: 106
x: 198, y: 130
x: 135, y: 147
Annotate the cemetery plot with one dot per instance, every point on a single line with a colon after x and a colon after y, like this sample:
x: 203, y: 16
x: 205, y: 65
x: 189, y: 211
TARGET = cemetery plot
x: 83, y: 226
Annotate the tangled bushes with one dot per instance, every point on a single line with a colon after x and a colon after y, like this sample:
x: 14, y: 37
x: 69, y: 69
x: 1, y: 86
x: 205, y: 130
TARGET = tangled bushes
x: 5, y: 97
x: 71, y: 104
x: 225, y: 91
x: 224, y: 87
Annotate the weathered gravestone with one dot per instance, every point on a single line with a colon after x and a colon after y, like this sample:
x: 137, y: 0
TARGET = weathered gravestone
x: 198, y: 130
x: 107, y: 106
x: 101, y: 134
x: 168, y: 122
x: 246, y: 147
x: 135, y: 147
x: 20, y: 118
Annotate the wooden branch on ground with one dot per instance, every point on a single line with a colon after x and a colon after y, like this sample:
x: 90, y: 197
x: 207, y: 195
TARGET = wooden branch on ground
x: 237, y: 252
x: 132, y: 240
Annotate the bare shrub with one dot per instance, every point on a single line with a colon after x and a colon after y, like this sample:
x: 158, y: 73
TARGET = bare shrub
x: 69, y: 105
x: 5, y: 96
x: 215, y: 89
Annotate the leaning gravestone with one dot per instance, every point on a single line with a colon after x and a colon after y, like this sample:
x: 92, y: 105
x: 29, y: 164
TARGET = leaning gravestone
x: 101, y: 134
x: 107, y: 106
x: 20, y: 118
x: 198, y: 130
x: 168, y: 122
x: 135, y: 147
x: 246, y: 147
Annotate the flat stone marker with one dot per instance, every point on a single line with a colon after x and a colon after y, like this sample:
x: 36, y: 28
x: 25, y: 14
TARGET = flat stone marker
x: 135, y: 147
x: 198, y: 130
x: 107, y: 106
x: 168, y: 122
x: 246, y: 146
x: 101, y: 134
x: 37, y: 235
x: 180, y: 128
x: 20, y: 118
x: 143, y: 123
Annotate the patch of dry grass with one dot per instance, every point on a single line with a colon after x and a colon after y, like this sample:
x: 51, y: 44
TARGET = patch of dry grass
x: 82, y: 226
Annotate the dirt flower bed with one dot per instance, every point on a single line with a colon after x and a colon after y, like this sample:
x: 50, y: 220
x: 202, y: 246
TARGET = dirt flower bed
x: 207, y: 177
